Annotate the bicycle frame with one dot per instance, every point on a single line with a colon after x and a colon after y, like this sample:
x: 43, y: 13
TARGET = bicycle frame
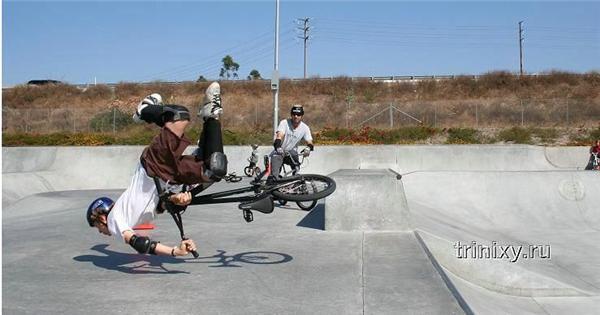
x: 258, y: 188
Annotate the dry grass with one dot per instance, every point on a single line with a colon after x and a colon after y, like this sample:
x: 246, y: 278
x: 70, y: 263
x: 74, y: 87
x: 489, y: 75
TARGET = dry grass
x: 497, y: 99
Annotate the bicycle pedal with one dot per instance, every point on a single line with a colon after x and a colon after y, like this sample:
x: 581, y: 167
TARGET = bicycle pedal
x: 248, y: 216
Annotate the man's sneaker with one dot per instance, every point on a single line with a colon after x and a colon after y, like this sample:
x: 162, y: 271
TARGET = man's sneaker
x: 152, y: 99
x: 211, y: 104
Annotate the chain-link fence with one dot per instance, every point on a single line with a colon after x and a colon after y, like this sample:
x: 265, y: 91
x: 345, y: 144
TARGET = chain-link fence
x: 259, y: 116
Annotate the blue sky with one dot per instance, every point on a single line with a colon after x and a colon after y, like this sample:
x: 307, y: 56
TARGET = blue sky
x: 113, y: 41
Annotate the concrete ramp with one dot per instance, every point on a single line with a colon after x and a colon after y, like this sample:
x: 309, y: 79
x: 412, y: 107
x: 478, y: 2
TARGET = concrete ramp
x: 367, y: 200
x: 554, y: 211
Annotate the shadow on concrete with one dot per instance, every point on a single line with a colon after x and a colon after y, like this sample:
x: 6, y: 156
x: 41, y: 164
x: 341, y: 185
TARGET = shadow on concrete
x: 221, y: 259
x: 129, y: 263
x: 315, y: 219
x: 148, y: 264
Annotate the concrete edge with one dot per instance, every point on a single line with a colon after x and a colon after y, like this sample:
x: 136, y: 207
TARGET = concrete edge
x: 453, y: 290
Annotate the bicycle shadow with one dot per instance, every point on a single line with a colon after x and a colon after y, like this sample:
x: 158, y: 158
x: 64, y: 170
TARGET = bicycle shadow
x: 221, y: 259
x: 147, y: 264
x: 129, y: 263
x: 315, y: 219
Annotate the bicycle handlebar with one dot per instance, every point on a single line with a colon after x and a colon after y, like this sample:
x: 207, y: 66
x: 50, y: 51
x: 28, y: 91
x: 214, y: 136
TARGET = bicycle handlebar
x: 194, y: 253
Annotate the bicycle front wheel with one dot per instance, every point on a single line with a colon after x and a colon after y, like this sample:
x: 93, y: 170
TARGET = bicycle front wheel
x: 248, y: 171
x: 304, y: 187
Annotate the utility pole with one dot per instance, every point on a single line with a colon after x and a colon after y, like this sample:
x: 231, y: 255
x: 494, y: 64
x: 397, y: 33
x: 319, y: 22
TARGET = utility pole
x: 304, y: 28
x: 275, y: 77
x: 521, y: 47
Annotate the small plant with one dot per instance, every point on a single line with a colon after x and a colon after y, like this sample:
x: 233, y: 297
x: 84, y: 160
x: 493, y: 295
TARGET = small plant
x: 463, y: 136
x: 515, y: 135
x: 104, y: 121
x: 546, y: 135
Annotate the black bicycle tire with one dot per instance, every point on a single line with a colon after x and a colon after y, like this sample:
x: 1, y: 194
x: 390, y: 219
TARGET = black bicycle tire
x: 308, y: 197
x: 247, y: 171
x: 235, y: 179
x: 310, y: 207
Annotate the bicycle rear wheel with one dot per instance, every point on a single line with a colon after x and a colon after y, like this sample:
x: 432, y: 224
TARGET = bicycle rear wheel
x: 304, y: 187
x: 306, y: 205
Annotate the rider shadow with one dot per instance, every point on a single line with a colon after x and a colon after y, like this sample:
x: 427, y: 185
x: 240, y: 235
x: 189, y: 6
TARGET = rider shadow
x: 256, y: 258
x: 315, y: 219
x: 146, y: 264
x: 129, y: 263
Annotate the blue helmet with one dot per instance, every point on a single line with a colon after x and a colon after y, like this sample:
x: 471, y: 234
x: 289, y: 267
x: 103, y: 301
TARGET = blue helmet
x: 101, y: 205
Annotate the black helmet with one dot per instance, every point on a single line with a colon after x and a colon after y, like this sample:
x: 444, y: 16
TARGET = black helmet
x: 101, y: 205
x: 297, y: 110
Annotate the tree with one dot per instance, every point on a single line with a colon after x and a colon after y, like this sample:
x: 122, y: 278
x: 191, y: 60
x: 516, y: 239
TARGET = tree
x: 229, y: 68
x: 254, y: 75
x: 201, y: 78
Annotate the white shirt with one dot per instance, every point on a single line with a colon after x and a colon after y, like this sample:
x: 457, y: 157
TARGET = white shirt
x: 291, y: 136
x: 135, y: 206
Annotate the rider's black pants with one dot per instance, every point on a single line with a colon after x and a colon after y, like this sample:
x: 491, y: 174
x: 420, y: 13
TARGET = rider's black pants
x: 211, y: 139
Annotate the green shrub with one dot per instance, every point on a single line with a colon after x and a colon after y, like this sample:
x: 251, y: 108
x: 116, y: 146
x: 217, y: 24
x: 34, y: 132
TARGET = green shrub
x: 595, y: 134
x: 546, y: 135
x: 409, y: 134
x: 516, y: 135
x: 462, y: 136
x: 104, y: 121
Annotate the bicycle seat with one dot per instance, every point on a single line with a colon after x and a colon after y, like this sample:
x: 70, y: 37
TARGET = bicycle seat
x: 264, y: 204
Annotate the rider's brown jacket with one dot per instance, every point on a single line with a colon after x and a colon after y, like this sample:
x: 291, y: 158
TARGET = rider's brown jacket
x: 163, y: 158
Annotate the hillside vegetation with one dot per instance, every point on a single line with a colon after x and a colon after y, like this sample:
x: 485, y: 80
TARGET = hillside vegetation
x: 567, y: 103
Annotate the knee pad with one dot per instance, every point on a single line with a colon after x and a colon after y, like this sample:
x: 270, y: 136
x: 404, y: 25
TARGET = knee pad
x: 153, y: 114
x: 217, y: 163
x: 176, y: 112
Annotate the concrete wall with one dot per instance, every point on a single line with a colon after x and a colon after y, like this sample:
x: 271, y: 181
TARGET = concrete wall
x: 31, y: 170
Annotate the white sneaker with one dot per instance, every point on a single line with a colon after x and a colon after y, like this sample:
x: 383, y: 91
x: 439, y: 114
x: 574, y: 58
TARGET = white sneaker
x: 152, y: 99
x: 211, y: 104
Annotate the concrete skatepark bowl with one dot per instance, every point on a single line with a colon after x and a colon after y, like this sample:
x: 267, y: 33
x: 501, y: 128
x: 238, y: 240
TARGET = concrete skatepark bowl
x: 411, y: 229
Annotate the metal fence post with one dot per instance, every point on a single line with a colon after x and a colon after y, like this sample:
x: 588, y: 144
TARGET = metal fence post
x: 391, y: 117
x: 435, y: 115
x: 522, y: 114
x: 568, y: 122
x: 476, y: 116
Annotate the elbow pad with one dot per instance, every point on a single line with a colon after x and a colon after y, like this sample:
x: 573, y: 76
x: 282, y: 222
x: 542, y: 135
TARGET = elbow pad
x: 312, y: 147
x: 277, y: 144
x: 143, y: 244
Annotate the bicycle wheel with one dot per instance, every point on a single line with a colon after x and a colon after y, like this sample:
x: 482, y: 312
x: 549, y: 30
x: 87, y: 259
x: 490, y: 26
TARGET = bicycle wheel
x: 304, y: 187
x: 248, y: 171
x: 235, y: 179
x: 307, y: 205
